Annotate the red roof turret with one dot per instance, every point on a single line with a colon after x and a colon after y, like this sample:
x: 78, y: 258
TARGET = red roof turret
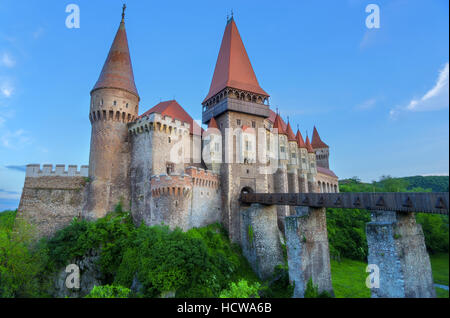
x: 308, y: 145
x: 233, y: 67
x: 300, y: 141
x: 290, y: 133
x: 117, y: 71
x: 278, y: 124
x: 316, y: 141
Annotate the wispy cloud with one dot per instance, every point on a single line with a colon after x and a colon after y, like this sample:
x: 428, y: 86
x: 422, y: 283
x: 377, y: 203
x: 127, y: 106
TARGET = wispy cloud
x: 6, y: 88
x: 7, y: 60
x: 17, y: 168
x: 15, y: 139
x: 434, y: 99
x: 367, y: 104
x: 4, y: 194
x: 38, y: 33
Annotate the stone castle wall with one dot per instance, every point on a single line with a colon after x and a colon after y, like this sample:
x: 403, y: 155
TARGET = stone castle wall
x: 52, y: 198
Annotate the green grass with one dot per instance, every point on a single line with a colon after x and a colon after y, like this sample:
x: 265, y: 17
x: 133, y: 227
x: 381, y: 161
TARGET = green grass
x: 349, y: 276
x: 441, y: 293
x: 439, y: 265
x: 349, y: 279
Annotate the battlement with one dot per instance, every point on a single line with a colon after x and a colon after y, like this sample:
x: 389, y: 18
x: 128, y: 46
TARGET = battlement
x: 156, y: 121
x: 175, y: 184
x: 35, y: 171
x: 203, y: 178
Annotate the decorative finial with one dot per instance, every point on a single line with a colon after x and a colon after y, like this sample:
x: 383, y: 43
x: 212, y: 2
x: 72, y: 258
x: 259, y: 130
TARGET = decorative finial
x: 298, y: 127
x: 277, y: 111
x: 123, y: 11
x: 232, y: 13
x: 288, y: 118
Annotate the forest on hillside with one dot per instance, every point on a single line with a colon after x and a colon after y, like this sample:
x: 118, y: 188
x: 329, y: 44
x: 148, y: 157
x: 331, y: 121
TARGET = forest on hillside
x: 346, y: 227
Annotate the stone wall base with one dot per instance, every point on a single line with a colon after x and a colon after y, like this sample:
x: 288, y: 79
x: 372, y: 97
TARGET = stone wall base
x: 307, y: 250
x: 260, y: 240
x: 397, y: 246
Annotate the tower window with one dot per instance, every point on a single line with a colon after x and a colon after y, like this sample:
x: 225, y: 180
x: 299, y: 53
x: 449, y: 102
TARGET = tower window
x: 126, y: 105
x: 115, y: 103
x: 170, y: 168
x: 238, y: 122
x: 282, y: 148
x: 216, y: 146
x: 170, y: 140
x: 253, y: 124
x: 101, y: 102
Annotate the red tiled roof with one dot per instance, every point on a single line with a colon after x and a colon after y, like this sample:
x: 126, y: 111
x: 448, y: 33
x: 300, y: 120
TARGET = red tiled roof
x: 212, y: 123
x: 173, y: 109
x: 300, y: 141
x: 308, y: 145
x: 117, y: 71
x: 326, y: 171
x: 272, y: 119
x: 290, y: 133
x: 278, y: 124
x: 316, y: 141
x: 233, y: 67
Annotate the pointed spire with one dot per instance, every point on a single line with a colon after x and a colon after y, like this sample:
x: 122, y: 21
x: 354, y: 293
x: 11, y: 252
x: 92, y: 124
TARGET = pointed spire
x: 233, y: 67
x: 300, y: 141
x: 290, y: 133
x: 213, y: 123
x: 117, y: 71
x: 308, y: 145
x: 277, y: 123
x: 316, y: 141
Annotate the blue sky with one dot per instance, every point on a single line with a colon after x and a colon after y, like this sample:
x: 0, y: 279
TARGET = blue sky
x: 379, y: 97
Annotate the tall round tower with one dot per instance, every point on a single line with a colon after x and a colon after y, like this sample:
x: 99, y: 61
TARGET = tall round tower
x: 114, y: 103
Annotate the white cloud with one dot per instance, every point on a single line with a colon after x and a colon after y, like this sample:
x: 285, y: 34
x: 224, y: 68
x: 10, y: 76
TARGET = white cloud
x: 7, y: 60
x: 366, y: 105
x: 6, y: 88
x: 434, y: 99
x: 15, y: 139
x: 4, y: 194
x: 38, y: 33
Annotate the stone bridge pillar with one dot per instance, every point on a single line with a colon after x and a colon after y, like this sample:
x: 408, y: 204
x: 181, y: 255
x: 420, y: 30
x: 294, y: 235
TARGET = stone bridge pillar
x: 307, y: 250
x: 396, y: 245
x: 260, y: 240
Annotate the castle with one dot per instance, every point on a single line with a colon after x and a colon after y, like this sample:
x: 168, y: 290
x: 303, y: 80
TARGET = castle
x: 164, y: 168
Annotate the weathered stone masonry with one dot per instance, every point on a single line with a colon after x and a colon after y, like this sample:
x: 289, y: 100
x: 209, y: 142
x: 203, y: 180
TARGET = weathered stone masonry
x: 52, y: 198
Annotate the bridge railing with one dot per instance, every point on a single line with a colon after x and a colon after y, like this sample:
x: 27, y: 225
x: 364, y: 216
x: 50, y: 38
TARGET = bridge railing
x: 429, y: 202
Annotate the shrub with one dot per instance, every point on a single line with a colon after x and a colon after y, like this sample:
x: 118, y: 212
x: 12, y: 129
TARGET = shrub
x: 109, y: 291
x: 241, y: 290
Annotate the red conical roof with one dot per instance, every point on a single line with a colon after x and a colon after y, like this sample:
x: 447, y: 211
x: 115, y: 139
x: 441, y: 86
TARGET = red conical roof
x: 308, y: 145
x: 173, y: 109
x: 233, y: 67
x: 117, y: 71
x: 290, y: 133
x: 213, y: 123
x: 300, y: 141
x: 316, y: 141
x: 278, y: 124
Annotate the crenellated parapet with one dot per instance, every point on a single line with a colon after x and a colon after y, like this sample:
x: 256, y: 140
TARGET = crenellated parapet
x: 174, y: 185
x: 35, y: 171
x: 158, y: 122
x: 203, y: 178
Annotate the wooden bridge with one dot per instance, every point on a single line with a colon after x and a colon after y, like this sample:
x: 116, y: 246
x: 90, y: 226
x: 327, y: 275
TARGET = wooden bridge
x: 426, y: 202
x: 398, y: 261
